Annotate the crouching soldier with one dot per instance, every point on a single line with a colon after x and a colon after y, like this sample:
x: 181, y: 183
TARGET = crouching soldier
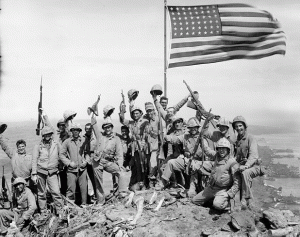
x: 224, y: 180
x: 247, y: 157
x: 108, y: 156
x: 24, y: 209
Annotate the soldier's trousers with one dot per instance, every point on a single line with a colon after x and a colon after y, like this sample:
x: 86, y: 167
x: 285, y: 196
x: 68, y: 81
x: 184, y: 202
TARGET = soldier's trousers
x: 137, y: 174
x: 247, y: 176
x: 218, y: 195
x: 178, y: 164
x: 50, y: 181
x: 90, y: 171
x: 81, y: 178
x: 63, y: 181
x: 112, y: 168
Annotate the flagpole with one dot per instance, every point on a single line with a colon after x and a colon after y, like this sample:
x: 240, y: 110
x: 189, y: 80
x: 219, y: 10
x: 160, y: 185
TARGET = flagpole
x: 165, y: 47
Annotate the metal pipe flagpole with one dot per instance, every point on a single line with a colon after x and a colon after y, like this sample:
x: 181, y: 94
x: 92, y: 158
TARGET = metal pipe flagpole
x: 165, y: 47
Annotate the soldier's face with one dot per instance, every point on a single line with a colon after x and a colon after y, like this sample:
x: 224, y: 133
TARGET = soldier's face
x: 150, y: 113
x: 88, y: 130
x: 223, y: 151
x: 170, y: 111
x: 240, y: 128
x: 223, y: 129
x: 178, y: 124
x: 108, y: 130
x: 47, y: 137
x: 21, y: 148
x: 61, y: 127
x: 20, y: 187
x: 75, y: 133
x: 193, y: 130
x: 164, y: 103
x: 136, y: 115
x: 124, y: 132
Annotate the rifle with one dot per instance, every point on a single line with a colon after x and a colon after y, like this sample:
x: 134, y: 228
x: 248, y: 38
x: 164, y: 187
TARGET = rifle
x: 6, y: 203
x: 40, y: 120
x: 199, y: 140
x: 123, y: 100
x: 198, y: 104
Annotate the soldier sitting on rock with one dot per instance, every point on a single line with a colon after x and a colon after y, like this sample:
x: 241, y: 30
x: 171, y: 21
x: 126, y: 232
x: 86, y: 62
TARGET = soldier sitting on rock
x: 223, y: 181
x: 24, y: 209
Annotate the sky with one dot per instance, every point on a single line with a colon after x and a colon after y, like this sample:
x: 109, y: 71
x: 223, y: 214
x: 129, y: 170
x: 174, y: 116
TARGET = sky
x: 83, y: 48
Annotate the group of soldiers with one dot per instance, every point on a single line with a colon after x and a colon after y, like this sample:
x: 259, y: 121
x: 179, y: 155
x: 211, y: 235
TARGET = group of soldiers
x: 161, y: 149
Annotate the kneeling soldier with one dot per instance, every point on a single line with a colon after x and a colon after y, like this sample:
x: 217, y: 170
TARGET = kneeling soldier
x: 24, y: 209
x: 223, y: 182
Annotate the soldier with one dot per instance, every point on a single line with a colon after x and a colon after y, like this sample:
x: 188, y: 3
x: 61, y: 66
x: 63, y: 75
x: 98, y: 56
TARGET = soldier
x: 45, y: 161
x: 126, y: 146
x: 164, y: 102
x: 247, y: 156
x: 24, y: 209
x: 21, y: 161
x: 189, y: 142
x: 72, y: 156
x: 216, y: 134
x: 62, y: 136
x: 223, y: 181
x: 109, y: 157
x: 137, y: 129
x: 88, y: 150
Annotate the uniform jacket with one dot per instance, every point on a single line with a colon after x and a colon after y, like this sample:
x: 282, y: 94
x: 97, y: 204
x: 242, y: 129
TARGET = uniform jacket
x: 177, y: 148
x: 137, y: 130
x: 223, y: 175
x: 21, y: 163
x: 110, y: 148
x: 246, y: 150
x: 46, y: 160
x: 188, y: 141
x: 26, y: 203
x: 72, y: 150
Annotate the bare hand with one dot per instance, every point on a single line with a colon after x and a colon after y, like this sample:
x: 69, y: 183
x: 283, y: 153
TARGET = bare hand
x: 72, y: 164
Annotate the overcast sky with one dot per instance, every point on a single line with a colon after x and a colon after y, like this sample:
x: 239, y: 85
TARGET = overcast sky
x: 83, y: 48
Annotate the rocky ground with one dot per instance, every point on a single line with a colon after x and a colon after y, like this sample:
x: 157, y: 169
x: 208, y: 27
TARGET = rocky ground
x: 151, y: 213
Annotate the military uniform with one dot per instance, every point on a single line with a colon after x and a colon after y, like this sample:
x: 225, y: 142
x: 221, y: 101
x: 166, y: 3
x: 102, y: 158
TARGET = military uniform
x: 72, y: 150
x: 108, y: 157
x: 137, y: 130
x: 25, y: 208
x: 45, y: 163
x: 247, y: 154
x: 223, y: 183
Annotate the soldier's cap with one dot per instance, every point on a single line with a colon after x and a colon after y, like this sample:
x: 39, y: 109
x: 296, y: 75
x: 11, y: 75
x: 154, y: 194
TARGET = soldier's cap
x: 47, y: 130
x: 75, y: 126
x: 107, y: 122
x: 61, y: 121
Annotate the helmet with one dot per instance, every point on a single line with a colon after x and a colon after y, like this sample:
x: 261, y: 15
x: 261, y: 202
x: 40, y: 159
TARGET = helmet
x: 223, y: 121
x: 136, y: 108
x: 149, y: 105
x: 157, y: 89
x: 47, y: 130
x: 108, y: 110
x: 239, y: 119
x: 223, y: 142
x: 19, y: 180
x: 61, y: 121
x: 107, y: 122
x: 175, y: 118
x: 193, y: 122
x: 68, y: 114
x: 3, y: 126
x: 132, y: 94
x: 75, y: 126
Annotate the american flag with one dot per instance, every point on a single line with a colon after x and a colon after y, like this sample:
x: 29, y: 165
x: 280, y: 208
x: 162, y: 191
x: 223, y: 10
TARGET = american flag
x: 215, y: 33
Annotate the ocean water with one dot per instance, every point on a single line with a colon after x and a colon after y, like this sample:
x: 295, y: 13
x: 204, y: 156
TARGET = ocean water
x: 285, y: 141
